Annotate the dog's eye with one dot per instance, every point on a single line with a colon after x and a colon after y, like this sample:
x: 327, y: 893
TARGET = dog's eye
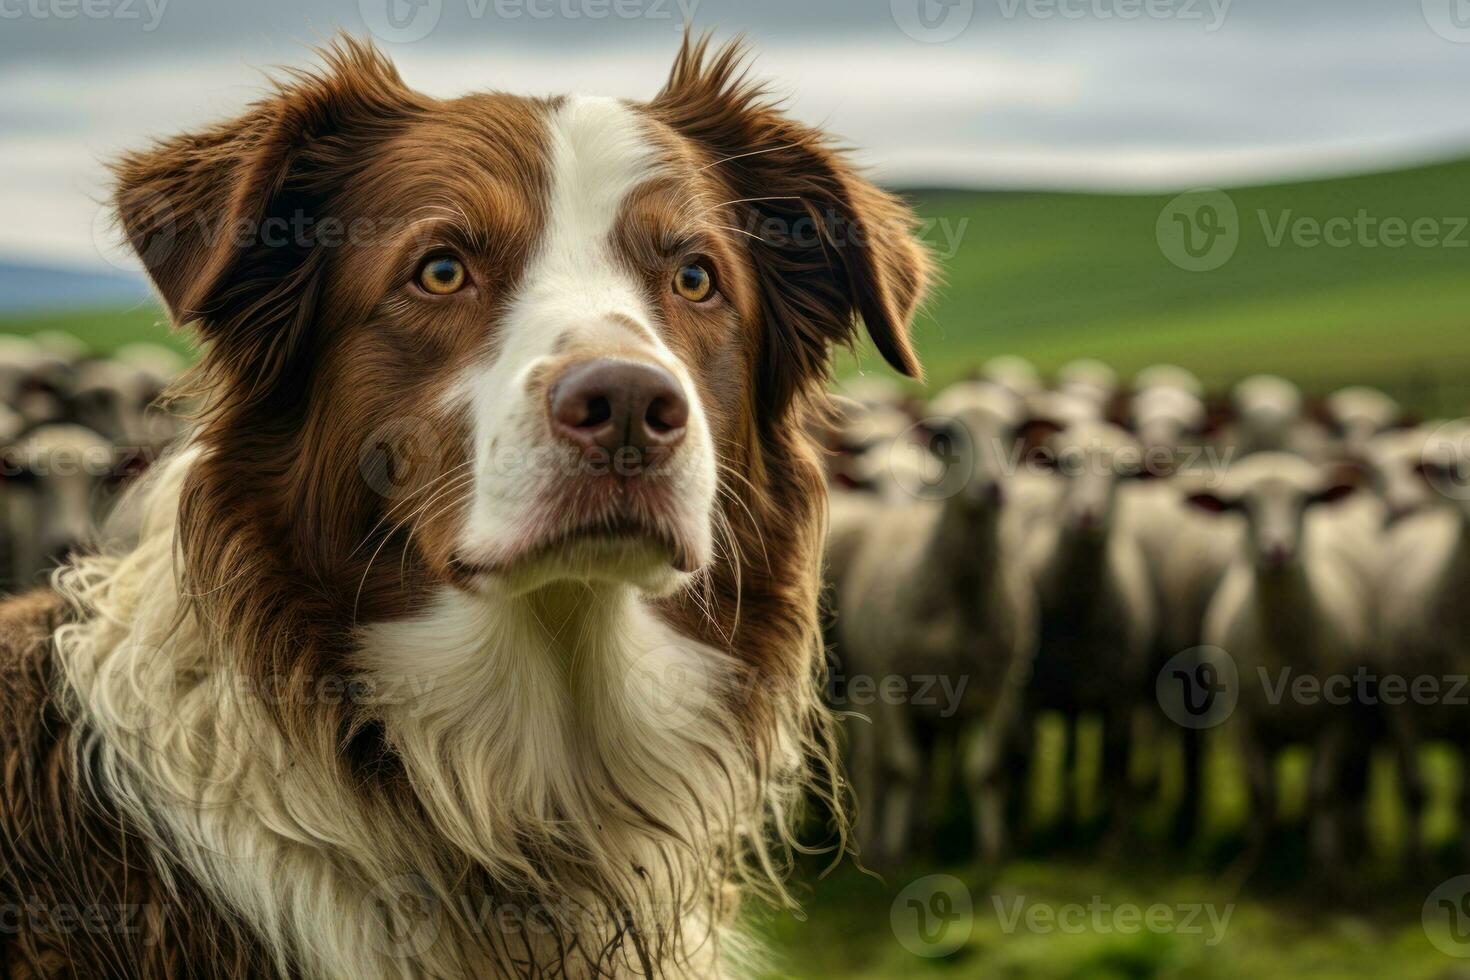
x: 442, y: 275
x: 694, y: 282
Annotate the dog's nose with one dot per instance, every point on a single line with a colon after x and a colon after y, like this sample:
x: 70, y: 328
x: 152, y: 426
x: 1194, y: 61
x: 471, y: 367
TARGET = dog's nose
x: 617, y: 405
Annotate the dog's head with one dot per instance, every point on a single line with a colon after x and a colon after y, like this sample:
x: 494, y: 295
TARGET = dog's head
x: 494, y: 342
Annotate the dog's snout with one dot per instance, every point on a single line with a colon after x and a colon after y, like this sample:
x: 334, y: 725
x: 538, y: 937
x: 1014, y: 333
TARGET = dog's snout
x: 614, y: 405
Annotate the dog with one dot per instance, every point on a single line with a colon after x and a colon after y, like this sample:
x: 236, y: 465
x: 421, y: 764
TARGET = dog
x: 472, y: 630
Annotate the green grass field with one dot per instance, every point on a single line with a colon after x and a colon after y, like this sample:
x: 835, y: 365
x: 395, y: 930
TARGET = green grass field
x: 1057, y: 276
x: 1285, y: 922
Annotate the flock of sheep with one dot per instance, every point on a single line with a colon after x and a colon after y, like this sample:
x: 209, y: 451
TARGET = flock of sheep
x: 73, y: 429
x: 1294, y: 572
x: 1138, y: 554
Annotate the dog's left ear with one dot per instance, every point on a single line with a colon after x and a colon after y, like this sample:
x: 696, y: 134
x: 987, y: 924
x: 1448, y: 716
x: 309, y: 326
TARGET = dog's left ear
x: 830, y: 248
x: 225, y: 219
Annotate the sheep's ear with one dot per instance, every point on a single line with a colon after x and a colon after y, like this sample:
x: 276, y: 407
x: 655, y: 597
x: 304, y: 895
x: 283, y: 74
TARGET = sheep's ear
x: 1036, y: 431
x: 1209, y: 502
x: 1342, y: 481
x: 830, y: 248
x: 223, y: 219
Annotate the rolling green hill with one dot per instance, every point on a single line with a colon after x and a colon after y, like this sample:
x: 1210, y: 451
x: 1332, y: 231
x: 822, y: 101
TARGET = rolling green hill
x: 1055, y: 276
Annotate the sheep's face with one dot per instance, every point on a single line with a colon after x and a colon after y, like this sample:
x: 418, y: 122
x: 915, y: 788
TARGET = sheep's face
x: 1441, y: 468
x: 1094, y: 458
x: 1358, y: 414
x: 1267, y: 407
x: 978, y: 427
x: 1396, y: 462
x: 1166, y: 418
x: 1273, y: 493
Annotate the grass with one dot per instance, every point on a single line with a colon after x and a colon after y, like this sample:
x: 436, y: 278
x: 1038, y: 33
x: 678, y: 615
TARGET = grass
x: 1059, y: 912
x: 104, y: 330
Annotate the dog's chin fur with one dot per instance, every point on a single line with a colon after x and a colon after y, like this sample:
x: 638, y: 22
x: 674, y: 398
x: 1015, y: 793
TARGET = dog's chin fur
x: 639, y: 563
x: 544, y: 777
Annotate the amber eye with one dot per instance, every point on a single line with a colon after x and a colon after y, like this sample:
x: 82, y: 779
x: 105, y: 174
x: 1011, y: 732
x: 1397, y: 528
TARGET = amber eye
x: 694, y: 282
x: 442, y: 275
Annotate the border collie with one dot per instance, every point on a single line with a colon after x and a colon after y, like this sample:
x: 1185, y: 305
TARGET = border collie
x: 473, y: 629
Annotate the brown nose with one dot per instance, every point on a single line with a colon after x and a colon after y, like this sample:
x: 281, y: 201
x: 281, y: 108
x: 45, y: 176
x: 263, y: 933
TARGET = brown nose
x: 619, y: 405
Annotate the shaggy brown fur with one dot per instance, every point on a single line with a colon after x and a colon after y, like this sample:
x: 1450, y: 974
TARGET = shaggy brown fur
x: 79, y: 896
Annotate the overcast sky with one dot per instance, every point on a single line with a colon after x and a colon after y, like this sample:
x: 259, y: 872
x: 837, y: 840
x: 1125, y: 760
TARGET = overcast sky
x: 1119, y: 94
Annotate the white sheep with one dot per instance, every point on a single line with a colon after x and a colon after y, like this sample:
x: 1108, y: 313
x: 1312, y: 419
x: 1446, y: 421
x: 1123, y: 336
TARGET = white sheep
x: 1268, y: 418
x: 1186, y: 554
x: 1097, y: 609
x: 934, y: 593
x: 1090, y: 379
x: 1167, y: 419
x: 1168, y: 376
x: 1297, y: 599
x: 1424, y: 585
x: 59, y: 481
x: 1013, y: 373
x: 1358, y: 413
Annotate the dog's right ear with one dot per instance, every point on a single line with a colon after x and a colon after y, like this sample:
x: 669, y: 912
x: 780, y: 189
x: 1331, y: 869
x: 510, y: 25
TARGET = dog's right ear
x: 222, y: 218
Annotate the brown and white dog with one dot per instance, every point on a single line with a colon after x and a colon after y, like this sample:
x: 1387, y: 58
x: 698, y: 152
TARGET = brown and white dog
x: 503, y: 425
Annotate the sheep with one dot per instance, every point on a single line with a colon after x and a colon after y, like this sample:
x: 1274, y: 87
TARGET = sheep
x: 1168, y: 376
x: 1090, y: 379
x: 1268, y: 418
x: 1097, y: 609
x: 1359, y: 413
x: 935, y: 589
x: 1186, y: 554
x: 873, y: 391
x: 1166, y: 418
x: 1016, y: 374
x: 872, y: 451
x: 59, y: 480
x: 1423, y: 584
x: 1394, y: 458
x: 62, y: 344
x: 1296, y: 598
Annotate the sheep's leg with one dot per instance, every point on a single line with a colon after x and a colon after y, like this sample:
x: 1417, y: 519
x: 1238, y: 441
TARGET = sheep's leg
x: 1325, y: 795
x: 1192, y: 788
x: 1067, y: 818
x: 926, y: 803
x: 862, y: 764
x: 1413, y: 789
x: 900, y: 771
x: 1260, y: 765
x: 1116, y: 787
x: 990, y: 782
x: 1464, y: 802
x: 1020, y: 751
